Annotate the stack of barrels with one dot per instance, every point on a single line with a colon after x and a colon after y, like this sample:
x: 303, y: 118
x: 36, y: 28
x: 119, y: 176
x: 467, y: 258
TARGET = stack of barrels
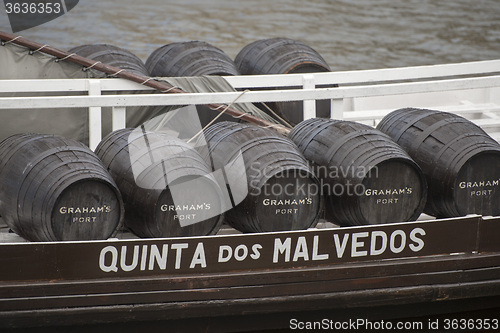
x: 158, y: 185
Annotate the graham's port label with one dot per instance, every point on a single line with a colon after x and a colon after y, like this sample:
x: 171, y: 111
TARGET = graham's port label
x: 288, y: 202
x: 85, y: 214
x: 189, y: 212
x: 480, y: 188
x: 388, y: 196
x: 179, y: 208
x: 287, y: 206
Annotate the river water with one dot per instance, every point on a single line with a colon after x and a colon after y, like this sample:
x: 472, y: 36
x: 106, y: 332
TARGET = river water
x: 361, y: 34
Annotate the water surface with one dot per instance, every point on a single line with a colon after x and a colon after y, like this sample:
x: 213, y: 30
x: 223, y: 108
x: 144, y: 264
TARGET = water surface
x: 359, y: 34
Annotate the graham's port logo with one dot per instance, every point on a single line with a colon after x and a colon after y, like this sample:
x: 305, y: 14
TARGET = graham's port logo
x: 482, y: 183
x: 24, y: 14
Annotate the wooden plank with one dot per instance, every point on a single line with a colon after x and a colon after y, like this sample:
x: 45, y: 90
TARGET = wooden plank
x: 231, y: 286
x: 44, y: 85
x: 372, y: 75
x: 215, y: 254
x: 95, y: 116
x: 253, y: 81
x: 251, y: 278
x: 119, y: 118
x: 489, y: 234
x: 419, y: 297
x: 251, y: 96
x: 246, y: 292
x: 458, y: 109
x: 309, y: 108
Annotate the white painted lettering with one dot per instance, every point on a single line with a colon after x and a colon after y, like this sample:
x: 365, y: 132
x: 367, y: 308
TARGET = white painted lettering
x: 114, y: 259
x: 358, y: 244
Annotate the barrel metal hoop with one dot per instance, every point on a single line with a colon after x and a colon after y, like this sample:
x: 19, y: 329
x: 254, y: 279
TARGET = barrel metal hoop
x: 180, y: 55
x: 342, y: 141
x: 32, y: 164
x: 431, y: 129
x: 287, y: 66
x: 454, y: 141
x: 319, y: 125
x: 251, y: 144
x: 104, y: 53
x: 276, y: 43
x: 281, y: 167
x: 411, y: 123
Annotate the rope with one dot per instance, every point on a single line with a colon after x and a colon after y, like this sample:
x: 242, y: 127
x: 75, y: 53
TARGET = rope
x: 6, y: 38
x: 220, y: 114
x: 12, y: 40
x: 90, y: 67
x: 271, y: 126
x: 147, y: 80
x: 277, y: 116
x: 39, y: 49
x: 118, y: 72
x: 66, y: 57
x: 170, y: 89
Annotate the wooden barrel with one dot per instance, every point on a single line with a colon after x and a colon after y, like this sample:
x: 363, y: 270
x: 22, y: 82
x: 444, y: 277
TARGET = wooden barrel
x: 367, y: 178
x: 193, y: 58
x: 283, y: 56
x: 461, y: 162
x: 56, y: 189
x: 271, y: 184
x: 166, y: 186
x: 113, y: 56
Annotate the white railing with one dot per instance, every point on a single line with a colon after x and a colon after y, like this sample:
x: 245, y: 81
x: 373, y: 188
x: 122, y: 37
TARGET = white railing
x: 472, y: 89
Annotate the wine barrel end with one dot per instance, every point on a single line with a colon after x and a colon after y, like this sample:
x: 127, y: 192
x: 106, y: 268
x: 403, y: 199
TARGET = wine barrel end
x: 291, y: 200
x: 191, y: 206
x: 87, y: 210
x: 477, y: 188
x: 395, y: 191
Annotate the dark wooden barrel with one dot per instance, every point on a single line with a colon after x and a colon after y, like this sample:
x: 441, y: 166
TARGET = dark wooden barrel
x: 166, y: 186
x: 283, y: 56
x: 192, y: 58
x: 113, y: 56
x: 56, y: 189
x: 461, y: 162
x: 367, y: 178
x: 271, y: 185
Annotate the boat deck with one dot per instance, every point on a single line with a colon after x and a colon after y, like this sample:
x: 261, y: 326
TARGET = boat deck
x: 234, y: 282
